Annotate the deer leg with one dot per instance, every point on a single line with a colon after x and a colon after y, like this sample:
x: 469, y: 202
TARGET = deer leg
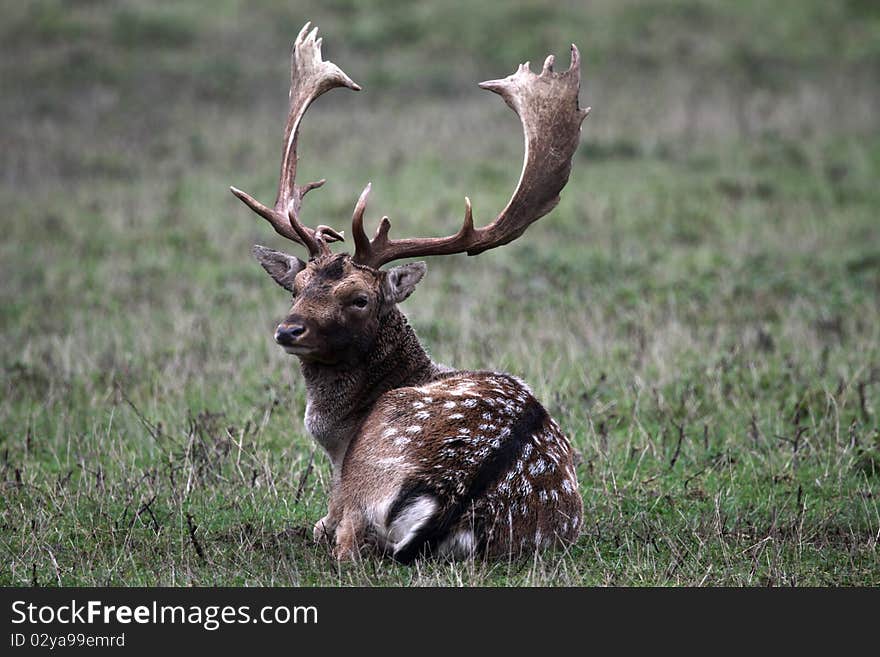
x: 325, y: 528
x: 349, y: 536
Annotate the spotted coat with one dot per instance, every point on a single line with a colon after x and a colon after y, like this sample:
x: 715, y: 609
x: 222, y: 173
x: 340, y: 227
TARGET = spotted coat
x: 468, y: 463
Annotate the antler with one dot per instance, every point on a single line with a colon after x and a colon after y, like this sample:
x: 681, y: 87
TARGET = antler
x: 310, y: 76
x: 547, y: 105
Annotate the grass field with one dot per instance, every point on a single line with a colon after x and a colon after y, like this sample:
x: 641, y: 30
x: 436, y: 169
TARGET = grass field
x: 701, y: 313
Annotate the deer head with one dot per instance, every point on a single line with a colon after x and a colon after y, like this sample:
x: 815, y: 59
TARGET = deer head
x: 339, y: 300
x: 338, y: 304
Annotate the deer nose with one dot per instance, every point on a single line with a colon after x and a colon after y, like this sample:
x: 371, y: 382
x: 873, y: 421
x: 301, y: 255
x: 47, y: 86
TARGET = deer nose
x: 287, y: 334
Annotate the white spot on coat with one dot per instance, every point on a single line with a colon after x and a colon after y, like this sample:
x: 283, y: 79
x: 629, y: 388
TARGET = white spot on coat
x: 537, y: 467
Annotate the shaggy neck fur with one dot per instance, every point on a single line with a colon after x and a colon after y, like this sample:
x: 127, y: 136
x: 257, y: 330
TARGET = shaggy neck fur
x: 340, y: 396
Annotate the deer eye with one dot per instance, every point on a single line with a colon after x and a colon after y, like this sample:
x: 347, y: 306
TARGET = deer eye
x: 359, y: 302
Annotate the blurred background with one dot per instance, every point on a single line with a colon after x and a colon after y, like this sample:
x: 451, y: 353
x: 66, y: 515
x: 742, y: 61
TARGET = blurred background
x: 714, y: 262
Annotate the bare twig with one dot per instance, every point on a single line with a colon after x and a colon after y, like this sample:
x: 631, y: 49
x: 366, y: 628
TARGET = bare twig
x: 677, y: 452
x: 190, y: 523
x: 303, y: 478
x: 603, y: 438
x: 754, y: 431
x: 795, y: 445
x: 146, y: 507
x: 693, y: 476
x: 151, y: 428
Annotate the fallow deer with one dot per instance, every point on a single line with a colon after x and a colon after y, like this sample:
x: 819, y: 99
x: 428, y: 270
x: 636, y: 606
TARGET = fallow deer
x: 425, y: 459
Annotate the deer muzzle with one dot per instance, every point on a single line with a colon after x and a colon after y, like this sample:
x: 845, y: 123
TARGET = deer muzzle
x: 290, y: 335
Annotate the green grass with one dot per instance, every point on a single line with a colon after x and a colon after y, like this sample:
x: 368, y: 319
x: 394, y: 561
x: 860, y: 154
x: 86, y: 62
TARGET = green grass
x: 701, y: 312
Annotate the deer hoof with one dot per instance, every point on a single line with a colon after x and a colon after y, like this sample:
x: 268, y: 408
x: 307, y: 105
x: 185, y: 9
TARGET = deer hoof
x: 323, y: 531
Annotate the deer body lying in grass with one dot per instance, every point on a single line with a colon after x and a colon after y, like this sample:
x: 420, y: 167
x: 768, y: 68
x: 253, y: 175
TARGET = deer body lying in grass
x: 425, y: 459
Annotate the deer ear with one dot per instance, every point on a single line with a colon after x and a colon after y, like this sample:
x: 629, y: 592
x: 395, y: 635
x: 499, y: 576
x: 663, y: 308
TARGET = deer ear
x: 282, y: 267
x: 401, y: 281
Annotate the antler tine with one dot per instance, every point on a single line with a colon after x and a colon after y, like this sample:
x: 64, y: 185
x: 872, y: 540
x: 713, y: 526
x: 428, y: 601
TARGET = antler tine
x: 310, y: 76
x: 361, y: 242
x: 547, y: 105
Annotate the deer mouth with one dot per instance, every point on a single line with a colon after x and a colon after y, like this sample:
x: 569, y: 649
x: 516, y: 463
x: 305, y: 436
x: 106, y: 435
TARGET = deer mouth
x: 298, y: 350
x: 311, y: 355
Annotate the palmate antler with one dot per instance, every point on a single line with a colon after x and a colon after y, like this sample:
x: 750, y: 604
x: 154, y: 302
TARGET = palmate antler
x: 547, y: 105
x: 310, y: 76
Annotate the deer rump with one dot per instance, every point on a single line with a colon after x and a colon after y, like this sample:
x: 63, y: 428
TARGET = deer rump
x: 451, y: 468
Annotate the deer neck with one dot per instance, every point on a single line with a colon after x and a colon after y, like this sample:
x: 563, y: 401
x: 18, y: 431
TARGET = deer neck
x: 340, y: 396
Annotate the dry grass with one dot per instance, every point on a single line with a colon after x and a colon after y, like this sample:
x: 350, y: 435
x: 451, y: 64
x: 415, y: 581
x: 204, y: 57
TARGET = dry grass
x: 700, y: 312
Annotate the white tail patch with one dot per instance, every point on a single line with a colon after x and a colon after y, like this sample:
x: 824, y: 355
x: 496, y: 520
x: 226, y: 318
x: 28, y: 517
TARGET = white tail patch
x: 405, y: 526
x: 460, y: 545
